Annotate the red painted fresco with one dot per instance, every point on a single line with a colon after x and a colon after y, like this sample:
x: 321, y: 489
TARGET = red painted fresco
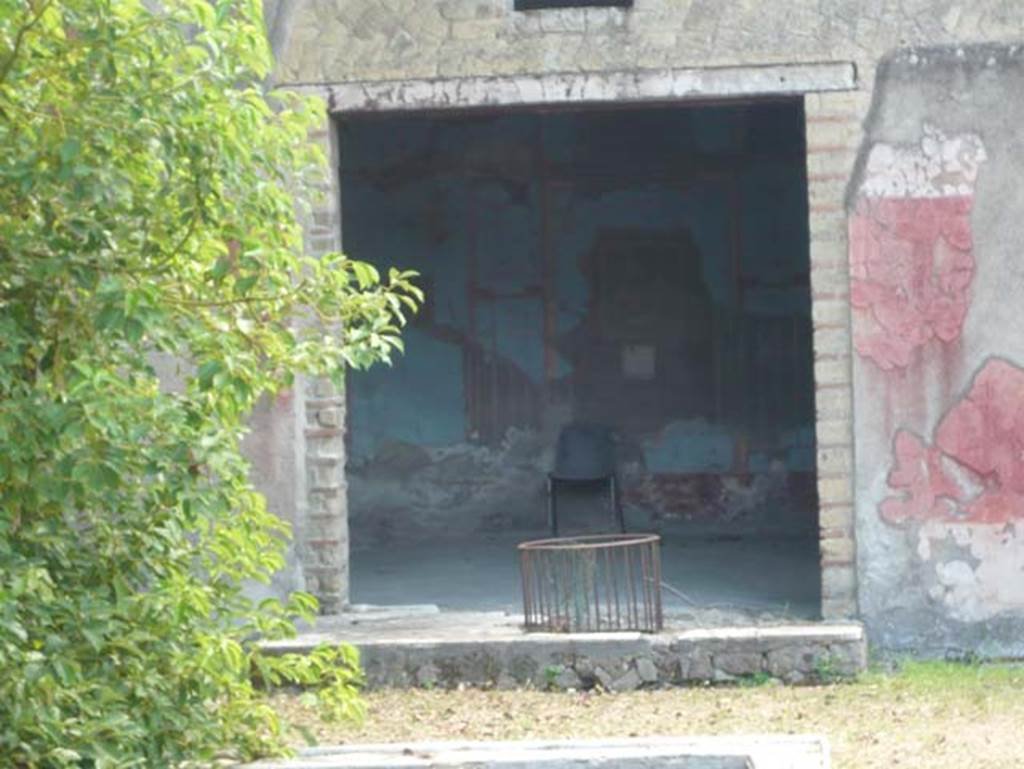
x: 911, y: 265
x: 974, y: 471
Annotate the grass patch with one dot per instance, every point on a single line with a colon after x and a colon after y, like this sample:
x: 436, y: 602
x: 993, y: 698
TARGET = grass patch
x: 937, y: 714
x: 936, y: 676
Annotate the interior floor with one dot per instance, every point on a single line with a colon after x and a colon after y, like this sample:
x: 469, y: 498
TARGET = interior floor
x: 701, y: 572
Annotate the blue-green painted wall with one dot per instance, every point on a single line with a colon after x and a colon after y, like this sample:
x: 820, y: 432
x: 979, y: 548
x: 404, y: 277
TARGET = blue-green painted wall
x: 475, y: 202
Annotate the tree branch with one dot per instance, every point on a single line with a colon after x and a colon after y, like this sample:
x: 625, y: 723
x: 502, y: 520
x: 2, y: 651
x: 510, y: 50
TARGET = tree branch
x: 5, y: 69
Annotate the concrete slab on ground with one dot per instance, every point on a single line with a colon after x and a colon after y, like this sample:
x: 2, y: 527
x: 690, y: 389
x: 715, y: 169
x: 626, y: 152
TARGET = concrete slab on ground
x: 755, y: 752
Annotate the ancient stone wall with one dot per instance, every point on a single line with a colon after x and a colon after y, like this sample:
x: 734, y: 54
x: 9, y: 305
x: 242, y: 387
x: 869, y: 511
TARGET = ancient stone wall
x: 331, y: 41
x: 438, y: 53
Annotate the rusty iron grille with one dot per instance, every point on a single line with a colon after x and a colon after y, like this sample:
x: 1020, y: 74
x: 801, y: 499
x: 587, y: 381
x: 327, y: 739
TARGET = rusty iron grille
x: 595, y: 583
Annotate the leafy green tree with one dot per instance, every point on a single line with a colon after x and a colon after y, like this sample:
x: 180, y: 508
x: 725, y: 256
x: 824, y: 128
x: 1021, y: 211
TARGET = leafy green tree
x: 148, y: 187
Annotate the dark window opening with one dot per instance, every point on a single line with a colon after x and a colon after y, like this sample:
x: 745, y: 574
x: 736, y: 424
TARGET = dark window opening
x: 536, y: 5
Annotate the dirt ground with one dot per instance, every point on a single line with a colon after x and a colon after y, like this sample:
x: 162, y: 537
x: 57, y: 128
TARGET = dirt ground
x: 935, y: 715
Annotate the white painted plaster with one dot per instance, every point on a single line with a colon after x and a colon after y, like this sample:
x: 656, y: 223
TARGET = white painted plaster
x: 939, y: 166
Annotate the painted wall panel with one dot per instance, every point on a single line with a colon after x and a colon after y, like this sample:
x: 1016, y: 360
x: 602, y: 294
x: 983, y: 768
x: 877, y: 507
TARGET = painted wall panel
x: 935, y: 292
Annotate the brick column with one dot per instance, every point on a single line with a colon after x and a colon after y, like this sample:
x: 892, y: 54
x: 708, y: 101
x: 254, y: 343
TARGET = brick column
x: 833, y: 137
x: 324, y: 545
x: 325, y: 549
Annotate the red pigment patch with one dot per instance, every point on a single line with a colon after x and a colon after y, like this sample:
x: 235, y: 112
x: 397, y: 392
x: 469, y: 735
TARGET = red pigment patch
x: 974, y: 472
x: 911, y: 266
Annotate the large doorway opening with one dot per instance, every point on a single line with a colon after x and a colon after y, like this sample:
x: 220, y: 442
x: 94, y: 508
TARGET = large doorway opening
x: 644, y: 269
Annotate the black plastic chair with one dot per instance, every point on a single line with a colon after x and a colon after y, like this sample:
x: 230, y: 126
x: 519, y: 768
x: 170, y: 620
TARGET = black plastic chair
x: 585, y: 453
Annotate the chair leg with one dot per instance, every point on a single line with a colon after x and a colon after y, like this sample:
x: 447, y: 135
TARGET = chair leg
x: 613, y: 485
x: 552, y: 508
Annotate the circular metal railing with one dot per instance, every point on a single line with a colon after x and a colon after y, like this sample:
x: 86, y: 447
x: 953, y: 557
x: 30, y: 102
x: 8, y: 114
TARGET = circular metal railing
x: 592, y: 583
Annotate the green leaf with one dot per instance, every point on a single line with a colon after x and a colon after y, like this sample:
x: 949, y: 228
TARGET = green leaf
x: 69, y: 149
x: 207, y: 372
x: 244, y: 285
x: 366, y: 274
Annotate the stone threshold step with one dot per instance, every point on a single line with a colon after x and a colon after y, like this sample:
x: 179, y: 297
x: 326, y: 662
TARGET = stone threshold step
x: 753, y: 752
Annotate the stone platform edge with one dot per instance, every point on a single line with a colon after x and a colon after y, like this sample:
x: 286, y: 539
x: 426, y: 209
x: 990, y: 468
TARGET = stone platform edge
x: 615, y: 662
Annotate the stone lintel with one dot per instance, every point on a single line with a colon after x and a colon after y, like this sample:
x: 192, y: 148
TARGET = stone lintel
x: 656, y: 85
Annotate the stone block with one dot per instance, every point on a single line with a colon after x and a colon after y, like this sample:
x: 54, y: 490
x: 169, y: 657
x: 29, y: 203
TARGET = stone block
x: 846, y: 659
x: 696, y: 667
x: 739, y: 663
x: 571, y: 20
x: 847, y: 103
x: 833, y: 133
x: 323, y: 388
x: 330, y: 417
x: 828, y: 226
x: 833, y: 432
x: 836, y: 517
x: 584, y: 666
x: 460, y: 10
x: 833, y: 340
x: 604, y: 678
x: 330, y: 602
x: 476, y: 29
x: 833, y: 407
x: 627, y: 682
x: 825, y: 190
x: 568, y: 679
x: 838, y: 581
x: 839, y: 608
x: 427, y: 675
x: 524, y: 668
x: 326, y: 476
x: 835, y: 460
x: 326, y: 528
x: 647, y: 670
x: 666, y: 662
x: 694, y: 661
x: 605, y: 20
x: 830, y: 162
x: 838, y: 549
x: 479, y: 666
x: 835, y: 490
x: 792, y: 664
x: 831, y: 312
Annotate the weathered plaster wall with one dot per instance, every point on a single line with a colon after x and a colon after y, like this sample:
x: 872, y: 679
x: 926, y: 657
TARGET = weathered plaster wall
x: 554, y: 248
x: 271, y: 448
x: 371, y: 40
x: 936, y: 282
